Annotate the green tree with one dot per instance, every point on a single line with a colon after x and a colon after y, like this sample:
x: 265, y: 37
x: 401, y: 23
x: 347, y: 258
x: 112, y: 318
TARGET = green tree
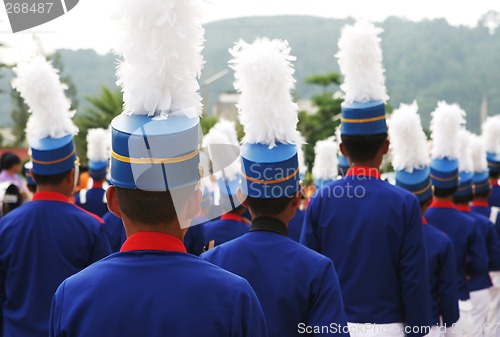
x: 99, y: 114
x: 322, y: 124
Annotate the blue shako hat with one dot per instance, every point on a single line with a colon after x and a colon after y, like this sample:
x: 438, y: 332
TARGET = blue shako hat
x: 154, y: 155
x: 264, y: 77
x: 360, y: 61
x: 493, y: 162
x: 481, y: 179
x: 447, y: 121
x: 409, y: 148
x: 98, y: 151
x: 481, y: 182
x: 418, y: 182
x: 444, y: 173
x: 270, y: 173
x: 50, y: 129
x: 465, y: 184
x: 155, y: 141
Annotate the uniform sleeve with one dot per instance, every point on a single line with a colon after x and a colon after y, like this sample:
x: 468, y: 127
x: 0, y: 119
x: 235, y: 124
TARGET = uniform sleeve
x: 448, y: 286
x: 327, y: 307
x: 477, y: 254
x: 493, y: 248
x: 56, y: 312
x: 413, y: 271
x: 309, y: 235
x: 248, y: 317
x: 102, y: 247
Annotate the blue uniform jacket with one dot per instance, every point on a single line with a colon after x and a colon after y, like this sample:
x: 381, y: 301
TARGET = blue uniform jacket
x: 194, y: 240
x: 115, y: 231
x: 154, y: 288
x: 93, y: 200
x: 482, y: 207
x: 295, y: 225
x: 492, y: 246
x: 443, y: 278
x: 494, y: 199
x: 372, y: 231
x: 295, y: 285
x: 470, y: 248
x: 42, y: 243
x: 228, y: 227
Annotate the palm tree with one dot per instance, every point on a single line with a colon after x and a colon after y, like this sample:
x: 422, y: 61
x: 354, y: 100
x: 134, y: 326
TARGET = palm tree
x: 99, y: 114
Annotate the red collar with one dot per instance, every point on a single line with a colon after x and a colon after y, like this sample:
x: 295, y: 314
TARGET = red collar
x: 50, y: 196
x: 153, y: 241
x: 442, y: 204
x: 97, y: 185
x: 364, y: 171
x: 463, y: 208
x: 494, y: 182
x: 480, y: 203
x: 231, y: 216
x: 424, y: 220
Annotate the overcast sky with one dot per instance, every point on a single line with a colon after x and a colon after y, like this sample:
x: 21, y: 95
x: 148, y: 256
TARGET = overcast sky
x: 88, y: 25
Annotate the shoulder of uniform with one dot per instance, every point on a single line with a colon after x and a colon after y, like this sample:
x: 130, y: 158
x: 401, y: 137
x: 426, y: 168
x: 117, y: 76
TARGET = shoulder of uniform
x: 89, y: 214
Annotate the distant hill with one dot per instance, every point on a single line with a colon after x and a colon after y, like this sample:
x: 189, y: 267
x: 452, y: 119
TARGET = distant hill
x: 427, y: 61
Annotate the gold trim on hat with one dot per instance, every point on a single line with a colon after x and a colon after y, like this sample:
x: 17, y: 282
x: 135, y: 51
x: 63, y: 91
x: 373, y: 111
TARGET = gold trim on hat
x: 270, y: 182
x: 362, y: 120
x: 57, y: 161
x: 155, y: 160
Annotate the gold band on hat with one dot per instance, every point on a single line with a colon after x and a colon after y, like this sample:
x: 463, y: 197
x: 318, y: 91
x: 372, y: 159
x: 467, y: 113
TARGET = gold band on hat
x: 270, y: 182
x: 362, y: 120
x: 150, y: 161
x: 57, y: 161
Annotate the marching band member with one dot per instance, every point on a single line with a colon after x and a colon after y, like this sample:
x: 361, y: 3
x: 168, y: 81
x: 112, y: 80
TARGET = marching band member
x: 411, y: 163
x: 152, y: 286
x: 298, y: 288
x: 48, y: 239
x: 491, y: 137
x: 385, y: 290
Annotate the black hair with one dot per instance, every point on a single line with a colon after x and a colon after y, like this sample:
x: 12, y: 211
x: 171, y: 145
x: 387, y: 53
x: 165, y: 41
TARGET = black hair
x: 464, y: 199
x: 264, y: 207
x: 363, y: 148
x: 494, y: 175
x: 444, y: 192
x: 8, y: 160
x: 483, y: 194
x: 54, y: 179
x: 425, y: 202
x: 151, y: 208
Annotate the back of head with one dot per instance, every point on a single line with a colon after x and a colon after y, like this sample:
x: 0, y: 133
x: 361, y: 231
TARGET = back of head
x: 363, y: 148
x: 8, y: 160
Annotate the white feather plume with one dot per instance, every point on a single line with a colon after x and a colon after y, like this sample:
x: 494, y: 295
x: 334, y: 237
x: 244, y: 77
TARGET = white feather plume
x: 325, y: 162
x: 408, y: 140
x: 39, y: 84
x: 98, y: 144
x: 264, y: 77
x: 300, y: 155
x: 161, y: 46
x: 447, y: 121
x: 491, y: 134
x: 227, y: 128
x: 478, y: 154
x: 465, y: 163
x: 360, y: 61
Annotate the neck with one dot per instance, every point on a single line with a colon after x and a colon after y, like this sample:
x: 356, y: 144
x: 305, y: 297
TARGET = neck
x: 284, y: 218
x: 54, y: 189
x: 173, y: 228
x: 448, y: 198
x: 371, y: 164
